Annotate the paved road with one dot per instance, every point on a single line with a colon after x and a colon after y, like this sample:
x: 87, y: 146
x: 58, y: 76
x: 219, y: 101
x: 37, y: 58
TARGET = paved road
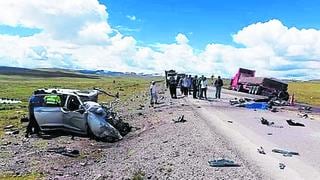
x: 248, y: 134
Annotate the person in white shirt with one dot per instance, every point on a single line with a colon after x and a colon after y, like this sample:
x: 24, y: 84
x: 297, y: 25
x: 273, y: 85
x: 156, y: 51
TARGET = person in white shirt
x: 204, y: 87
x: 153, y: 94
x: 185, y: 84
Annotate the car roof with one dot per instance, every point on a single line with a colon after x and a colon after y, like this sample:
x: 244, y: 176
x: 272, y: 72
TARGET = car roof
x: 70, y: 91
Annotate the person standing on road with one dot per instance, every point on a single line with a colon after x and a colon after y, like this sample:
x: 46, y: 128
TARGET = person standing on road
x: 153, y: 94
x: 199, y: 87
x: 189, y: 84
x: 33, y: 127
x: 173, y: 87
x: 204, y: 87
x: 218, y: 84
x: 195, y: 86
x: 185, y: 85
x: 180, y: 84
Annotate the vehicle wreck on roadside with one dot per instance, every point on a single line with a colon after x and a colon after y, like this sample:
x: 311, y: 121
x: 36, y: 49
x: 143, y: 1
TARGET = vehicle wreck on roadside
x: 76, y: 112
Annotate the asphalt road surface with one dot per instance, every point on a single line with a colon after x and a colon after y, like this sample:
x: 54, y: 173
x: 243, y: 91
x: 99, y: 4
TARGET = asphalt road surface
x: 243, y: 128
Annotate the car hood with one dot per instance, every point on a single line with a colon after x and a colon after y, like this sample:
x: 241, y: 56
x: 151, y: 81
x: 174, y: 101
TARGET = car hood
x: 97, y: 123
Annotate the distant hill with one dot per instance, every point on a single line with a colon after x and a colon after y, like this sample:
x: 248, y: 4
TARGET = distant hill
x: 43, y: 72
x: 116, y: 73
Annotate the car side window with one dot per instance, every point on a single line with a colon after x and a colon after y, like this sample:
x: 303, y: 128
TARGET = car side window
x: 73, y: 103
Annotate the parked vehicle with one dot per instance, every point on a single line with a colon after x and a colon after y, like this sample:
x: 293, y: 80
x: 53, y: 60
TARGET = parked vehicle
x: 245, y: 81
x: 168, y: 74
x: 72, y: 111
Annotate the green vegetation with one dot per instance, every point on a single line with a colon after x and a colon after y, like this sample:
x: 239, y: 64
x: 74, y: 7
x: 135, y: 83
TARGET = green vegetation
x: 306, y: 92
x: 139, y: 175
x: 10, y: 176
x: 21, y: 88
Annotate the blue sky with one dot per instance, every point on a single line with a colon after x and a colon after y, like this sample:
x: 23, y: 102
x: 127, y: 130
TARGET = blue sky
x: 276, y: 38
x: 206, y: 21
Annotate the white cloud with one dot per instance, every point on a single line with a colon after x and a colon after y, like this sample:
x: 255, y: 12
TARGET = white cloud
x: 132, y: 18
x: 182, y: 39
x: 76, y: 34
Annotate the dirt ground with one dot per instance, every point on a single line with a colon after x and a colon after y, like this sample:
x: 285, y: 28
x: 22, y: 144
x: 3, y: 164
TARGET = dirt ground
x: 157, y: 148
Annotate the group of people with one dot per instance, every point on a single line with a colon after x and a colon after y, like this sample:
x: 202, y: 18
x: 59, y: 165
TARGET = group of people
x: 198, y: 86
x: 188, y: 84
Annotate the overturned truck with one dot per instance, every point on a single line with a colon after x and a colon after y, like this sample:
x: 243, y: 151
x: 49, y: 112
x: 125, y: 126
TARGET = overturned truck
x: 245, y: 81
x: 76, y: 111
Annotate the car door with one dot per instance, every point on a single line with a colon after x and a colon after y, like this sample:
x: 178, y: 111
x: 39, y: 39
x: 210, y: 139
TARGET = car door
x: 74, y: 115
x: 48, y: 117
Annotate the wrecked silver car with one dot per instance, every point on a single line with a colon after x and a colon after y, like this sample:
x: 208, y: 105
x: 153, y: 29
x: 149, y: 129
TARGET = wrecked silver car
x: 75, y: 111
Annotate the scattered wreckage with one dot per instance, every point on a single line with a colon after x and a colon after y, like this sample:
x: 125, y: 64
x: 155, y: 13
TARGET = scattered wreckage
x: 246, y: 81
x: 261, y: 103
x: 9, y: 101
x: 223, y: 163
x: 77, y: 112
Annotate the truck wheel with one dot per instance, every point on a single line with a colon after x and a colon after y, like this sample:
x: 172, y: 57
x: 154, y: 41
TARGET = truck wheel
x: 258, y: 90
x: 251, y: 90
x: 254, y: 90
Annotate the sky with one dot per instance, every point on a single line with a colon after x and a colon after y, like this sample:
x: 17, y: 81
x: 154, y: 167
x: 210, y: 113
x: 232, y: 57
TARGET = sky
x: 211, y: 37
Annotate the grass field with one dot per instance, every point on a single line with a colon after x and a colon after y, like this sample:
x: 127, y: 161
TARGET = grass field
x: 306, y: 92
x: 22, y: 87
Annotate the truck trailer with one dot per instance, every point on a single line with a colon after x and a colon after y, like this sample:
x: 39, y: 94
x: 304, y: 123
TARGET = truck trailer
x: 168, y: 74
x: 245, y: 81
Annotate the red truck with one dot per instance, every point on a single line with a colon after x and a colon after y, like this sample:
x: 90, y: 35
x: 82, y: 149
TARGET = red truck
x: 245, y: 81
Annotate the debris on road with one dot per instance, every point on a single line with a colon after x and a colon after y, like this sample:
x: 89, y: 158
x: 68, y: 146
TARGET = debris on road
x: 179, y: 120
x: 257, y: 105
x: 261, y: 150
x: 268, y: 123
x: 239, y: 102
x: 305, y: 108
x: 9, y: 101
x: 293, y: 123
x: 249, y: 103
x: 274, y: 110
x: 12, y: 132
x: 303, y: 115
x: 223, y: 163
x: 282, y: 166
x: 230, y: 121
x: 8, y: 127
x: 285, y: 152
x: 65, y: 151
x: 24, y: 119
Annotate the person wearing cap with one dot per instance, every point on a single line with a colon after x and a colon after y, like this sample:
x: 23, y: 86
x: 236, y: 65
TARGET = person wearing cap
x: 153, y: 93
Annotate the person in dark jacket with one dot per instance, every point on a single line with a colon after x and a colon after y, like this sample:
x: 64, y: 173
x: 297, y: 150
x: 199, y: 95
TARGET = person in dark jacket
x: 195, y: 86
x: 33, y: 127
x: 218, y: 84
x: 173, y: 87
